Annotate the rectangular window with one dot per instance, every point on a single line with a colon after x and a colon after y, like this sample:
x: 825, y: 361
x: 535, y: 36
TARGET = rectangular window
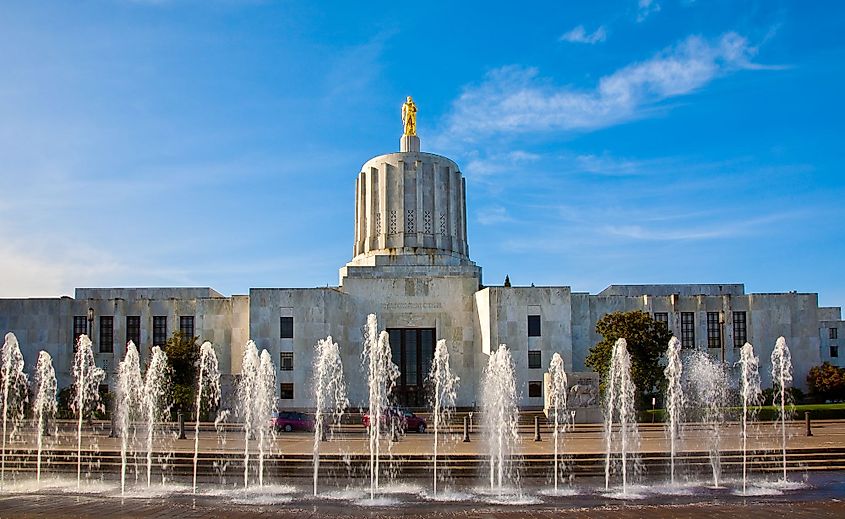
x: 80, y: 327
x: 714, y: 330
x: 286, y: 391
x: 286, y: 361
x: 412, y: 350
x: 535, y: 389
x: 688, y: 329
x: 833, y: 333
x: 286, y: 326
x: 159, y: 330
x: 534, y: 326
x: 740, y: 330
x: 133, y: 329
x: 535, y: 359
x: 662, y: 317
x: 834, y: 351
x: 186, y: 326
x: 106, y: 334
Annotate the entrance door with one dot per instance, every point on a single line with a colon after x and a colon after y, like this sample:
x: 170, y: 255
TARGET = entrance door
x: 413, y: 352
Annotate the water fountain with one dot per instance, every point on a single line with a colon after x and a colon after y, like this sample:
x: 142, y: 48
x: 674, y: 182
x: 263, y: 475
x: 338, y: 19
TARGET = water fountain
x: 675, y: 400
x: 256, y: 397
x: 265, y: 402
x: 87, y: 378
x: 329, y: 394
x: 130, y: 389
x: 750, y: 393
x: 381, y: 377
x: 153, y: 404
x: 708, y: 385
x: 44, y: 405
x: 500, y: 415
x: 246, y: 395
x: 14, y: 393
x: 558, y: 394
x: 781, y: 380
x: 208, y: 385
x: 619, y: 408
x: 445, y: 385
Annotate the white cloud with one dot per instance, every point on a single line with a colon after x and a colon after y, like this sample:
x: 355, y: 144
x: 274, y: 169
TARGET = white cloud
x: 580, y: 35
x: 516, y: 99
x: 493, y: 215
x: 645, y: 8
x: 511, y: 162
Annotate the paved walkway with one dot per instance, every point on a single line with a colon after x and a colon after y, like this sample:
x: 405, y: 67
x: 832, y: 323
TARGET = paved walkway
x: 582, y: 439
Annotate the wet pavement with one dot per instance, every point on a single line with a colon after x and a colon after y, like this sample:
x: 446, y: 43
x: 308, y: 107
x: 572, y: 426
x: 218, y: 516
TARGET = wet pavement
x: 809, y: 495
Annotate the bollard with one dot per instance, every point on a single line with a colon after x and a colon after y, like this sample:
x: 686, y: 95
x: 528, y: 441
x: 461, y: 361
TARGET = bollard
x: 807, y: 422
x: 466, y: 430
x: 113, y: 432
x: 537, y: 429
x: 181, y: 418
x: 323, y: 435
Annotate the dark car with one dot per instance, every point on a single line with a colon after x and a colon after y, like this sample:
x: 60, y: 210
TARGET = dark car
x: 406, y: 420
x: 293, y: 421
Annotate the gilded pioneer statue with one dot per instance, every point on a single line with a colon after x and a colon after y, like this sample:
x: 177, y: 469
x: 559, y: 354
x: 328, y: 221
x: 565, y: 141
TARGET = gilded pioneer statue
x: 409, y: 117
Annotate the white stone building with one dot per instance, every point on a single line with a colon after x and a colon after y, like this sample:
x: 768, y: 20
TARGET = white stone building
x: 411, y: 267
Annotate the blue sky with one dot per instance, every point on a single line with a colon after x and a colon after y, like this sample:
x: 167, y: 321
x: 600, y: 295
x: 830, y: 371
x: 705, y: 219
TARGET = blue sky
x: 216, y: 143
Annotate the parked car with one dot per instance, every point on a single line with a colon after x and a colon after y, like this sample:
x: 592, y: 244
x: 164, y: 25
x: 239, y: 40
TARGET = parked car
x: 406, y: 419
x: 293, y: 421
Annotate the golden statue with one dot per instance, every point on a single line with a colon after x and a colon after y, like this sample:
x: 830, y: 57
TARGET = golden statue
x: 409, y: 117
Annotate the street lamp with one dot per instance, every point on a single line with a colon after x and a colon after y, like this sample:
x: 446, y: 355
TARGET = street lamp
x: 90, y: 321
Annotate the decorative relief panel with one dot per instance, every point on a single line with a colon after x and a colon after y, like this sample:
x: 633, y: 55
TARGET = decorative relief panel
x: 393, y: 221
x: 411, y: 222
x: 443, y: 223
x: 427, y: 222
x: 378, y: 223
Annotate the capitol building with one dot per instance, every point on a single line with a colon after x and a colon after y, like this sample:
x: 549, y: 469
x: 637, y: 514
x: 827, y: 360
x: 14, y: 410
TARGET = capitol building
x: 411, y: 266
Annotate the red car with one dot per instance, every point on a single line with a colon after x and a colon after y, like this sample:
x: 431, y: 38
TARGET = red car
x: 407, y: 420
x: 292, y: 421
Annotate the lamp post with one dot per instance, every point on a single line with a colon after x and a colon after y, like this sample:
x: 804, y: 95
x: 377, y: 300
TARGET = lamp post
x: 90, y: 321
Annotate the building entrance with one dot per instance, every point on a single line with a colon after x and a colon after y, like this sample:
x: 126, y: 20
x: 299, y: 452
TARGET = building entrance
x: 413, y: 351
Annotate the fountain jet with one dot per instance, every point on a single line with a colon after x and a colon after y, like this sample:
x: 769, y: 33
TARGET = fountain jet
x: 445, y: 385
x: 675, y: 400
x: 329, y: 394
x: 781, y: 380
x: 500, y: 415
x: 14, y: 392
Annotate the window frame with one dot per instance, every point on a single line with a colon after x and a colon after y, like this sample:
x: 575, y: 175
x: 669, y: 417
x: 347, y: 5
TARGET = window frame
x: 283, y: 395
x: 285, y: 355
x: 688, y: 329
x: 133, y: 327
x: 106, y: 334
x: 159, y: 330
x: 77, y: 319
x: 538, y: 384
x: 740, y: 328
x: 535, y: 326
x: 183, y: 326
x: 535, y: 355
x: 714, y: 330
x: 286, y: 326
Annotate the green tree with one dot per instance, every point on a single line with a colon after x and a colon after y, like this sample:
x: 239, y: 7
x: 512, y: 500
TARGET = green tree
x: 182, y: 357
x: 647, y: 342
x: 827, y: 382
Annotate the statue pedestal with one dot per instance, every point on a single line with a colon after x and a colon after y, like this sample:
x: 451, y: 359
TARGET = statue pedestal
x: 409, y: 143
